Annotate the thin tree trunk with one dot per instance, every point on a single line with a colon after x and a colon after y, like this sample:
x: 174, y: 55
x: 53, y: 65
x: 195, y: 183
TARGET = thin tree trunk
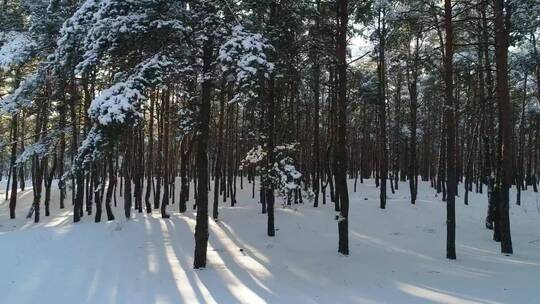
x: 382, y: 105
x: 14, y: 137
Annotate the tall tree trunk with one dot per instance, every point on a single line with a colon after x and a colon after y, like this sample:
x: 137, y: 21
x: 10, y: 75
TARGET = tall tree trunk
x: 504, y: 172
x: 382, y: 105
x: 127, y: 180
x: 97, y: 192
x: 14, y: 138
x: 219, y: 152
x: 269, y: 187
x: 270, y: 143
x: 201, y: 227
x: 150, y: 157
x: 61, y: 152
x: 397, y: 139
x: 184, y: 182
x: 48, y: 184
x: 78, y: 179
x: 316, y: 97
x: 450, y: 134
x: 341, y: 148
x: 166, y: 157
x: 412, y: 76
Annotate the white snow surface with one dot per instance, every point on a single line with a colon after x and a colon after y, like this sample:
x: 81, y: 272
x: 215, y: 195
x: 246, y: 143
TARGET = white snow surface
x: 397, y: 255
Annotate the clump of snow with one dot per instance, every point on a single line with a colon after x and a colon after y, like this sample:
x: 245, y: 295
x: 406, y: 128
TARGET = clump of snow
x: 23, y: 96
x: 255, y: 155
x: 122, y: 102
x: 244, y: 60
x: 90, y: 150
x: 285, y: 170
x: 41, y: 148
x: 15, y: 49
x: 115, y: 104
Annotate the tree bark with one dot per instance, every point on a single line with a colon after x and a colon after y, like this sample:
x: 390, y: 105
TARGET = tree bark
x: 341, y: 149
x: 450, y: 134
x: 504, y: 172
x: 382, y: 106
x: 14, y: 137
x: 201, y: 226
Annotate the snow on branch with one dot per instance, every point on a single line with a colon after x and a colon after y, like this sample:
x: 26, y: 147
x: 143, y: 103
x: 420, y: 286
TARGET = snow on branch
x: 119, y: 106
x: 122, y: 102
x: 43, y: 147
x: 255, y: 155
x: 116, y: 22
x: 91, y: 149
x: 74, y: 31
x: 15, y: 49
x: 244, y: 61
x: 23, y: 96
x: 284, y: 168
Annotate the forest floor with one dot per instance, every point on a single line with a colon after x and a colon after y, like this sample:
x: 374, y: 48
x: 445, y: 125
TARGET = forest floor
x: 397, y: 255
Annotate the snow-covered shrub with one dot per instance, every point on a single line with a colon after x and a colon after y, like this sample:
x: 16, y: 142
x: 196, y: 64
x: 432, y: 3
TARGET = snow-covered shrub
x: 282, y: 173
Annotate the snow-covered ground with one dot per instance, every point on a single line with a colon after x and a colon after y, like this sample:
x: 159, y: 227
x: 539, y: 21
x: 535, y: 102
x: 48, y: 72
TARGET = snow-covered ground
x: 397, y: 255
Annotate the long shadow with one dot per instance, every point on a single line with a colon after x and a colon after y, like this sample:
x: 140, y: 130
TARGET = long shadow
x: 433, y: 295
x: 181, y: 257
x: 239, y: 244
x: 113, y: 282
x: 184, y: 259
x: 226, y: 274
x: 58, y: 269
x: 179, y: 274
x: 96, y: 288
x: 228, y: 255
